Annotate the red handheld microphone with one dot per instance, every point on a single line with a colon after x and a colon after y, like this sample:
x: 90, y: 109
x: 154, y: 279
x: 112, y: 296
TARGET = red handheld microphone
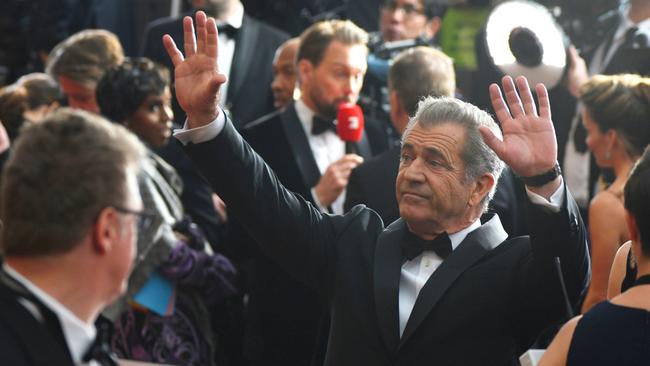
x: 350, y: 122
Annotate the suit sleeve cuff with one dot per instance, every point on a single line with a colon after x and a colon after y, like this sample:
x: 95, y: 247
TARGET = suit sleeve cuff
x: 554, y: 204
x: 200, y: 134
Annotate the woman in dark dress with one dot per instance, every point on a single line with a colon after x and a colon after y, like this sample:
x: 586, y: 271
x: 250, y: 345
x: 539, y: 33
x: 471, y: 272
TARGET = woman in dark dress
x: 615, y: 332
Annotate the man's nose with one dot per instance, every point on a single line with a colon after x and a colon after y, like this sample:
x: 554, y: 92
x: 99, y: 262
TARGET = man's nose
x: 414, y: 171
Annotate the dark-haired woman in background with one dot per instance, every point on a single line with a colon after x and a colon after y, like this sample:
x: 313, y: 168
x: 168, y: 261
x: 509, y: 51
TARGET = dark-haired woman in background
x: 617, y: 119
x: 136, y: 94
x: 616, y: 332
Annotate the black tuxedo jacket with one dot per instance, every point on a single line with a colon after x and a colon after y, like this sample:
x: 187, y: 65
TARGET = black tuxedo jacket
x: 249, y: 82
x: 25, y: 340
x: 284, y: 320
x: 373, y: 184
x: 481, y: 306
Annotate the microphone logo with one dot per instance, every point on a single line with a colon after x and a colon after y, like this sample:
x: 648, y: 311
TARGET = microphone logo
x: 349, y: 126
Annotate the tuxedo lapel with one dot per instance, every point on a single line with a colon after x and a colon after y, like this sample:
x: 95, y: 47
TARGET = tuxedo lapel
x: 387, y: 268
x: 245, y: 43
x: 478, y: 243
x: 362, y: 147
x: 299, y: 146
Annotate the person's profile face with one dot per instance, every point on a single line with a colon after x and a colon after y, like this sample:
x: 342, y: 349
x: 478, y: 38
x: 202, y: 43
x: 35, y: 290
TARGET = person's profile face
x: 402, y: 19
x: 125, y: 250
x: 79, y: 95
x: 338, y: 78
x: 597, y: 141
x: 152, y: 121
x: 284, y: 76
x: 431, y: 187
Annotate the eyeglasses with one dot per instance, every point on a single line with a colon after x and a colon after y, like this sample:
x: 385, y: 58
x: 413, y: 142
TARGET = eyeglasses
x: 408, y: 9
x: 145, y: 218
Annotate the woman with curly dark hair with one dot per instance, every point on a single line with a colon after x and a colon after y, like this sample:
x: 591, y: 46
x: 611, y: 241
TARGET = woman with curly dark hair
x: 171, y: 248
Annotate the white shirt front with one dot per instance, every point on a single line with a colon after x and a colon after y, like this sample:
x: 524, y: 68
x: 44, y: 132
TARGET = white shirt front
x: 227, y: 50
x: 326, y: 149
x: 78, y: 334
x: 416, y: 272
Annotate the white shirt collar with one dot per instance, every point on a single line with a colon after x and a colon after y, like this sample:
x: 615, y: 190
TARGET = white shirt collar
x: 78, y: 335
x: 458, y: 237
x: 237, y: 17
x: 305, y: 115
x: 626, y: 24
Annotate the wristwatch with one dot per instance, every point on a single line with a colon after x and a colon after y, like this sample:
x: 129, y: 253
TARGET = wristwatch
x: 541, y: 179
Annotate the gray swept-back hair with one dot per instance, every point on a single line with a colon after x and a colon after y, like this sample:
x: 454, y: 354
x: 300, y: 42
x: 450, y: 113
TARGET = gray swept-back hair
x: 477, y: 156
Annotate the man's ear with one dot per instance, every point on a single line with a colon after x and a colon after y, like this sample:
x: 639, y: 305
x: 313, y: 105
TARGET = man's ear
x: 482, y: 187
x: 106, y: 230
x: 432, y: 27
x: 305, y: 70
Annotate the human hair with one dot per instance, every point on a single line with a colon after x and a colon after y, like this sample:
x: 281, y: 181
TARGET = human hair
x: 123, y: 89
x: 13, y: 104
x: 637, y: 198
x: 41, y: 88
x: 434, y: 8
x: 85, y: 56
x: 315, y: 39
x: 420, y: 72
x: 622, y: 103
x: 477, y: 156
x: 60, y: 175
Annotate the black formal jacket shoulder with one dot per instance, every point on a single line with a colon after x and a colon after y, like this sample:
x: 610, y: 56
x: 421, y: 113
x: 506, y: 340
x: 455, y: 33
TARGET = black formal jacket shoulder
x: 481, y: 306
x: 26, y: 341
x: 251, y: 74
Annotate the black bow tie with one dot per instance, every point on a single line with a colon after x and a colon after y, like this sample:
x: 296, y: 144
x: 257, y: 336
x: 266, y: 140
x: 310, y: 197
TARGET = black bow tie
x: 413, y: 245
x: 320, y: 125
x: 228, y: 30
x: 100, y: 351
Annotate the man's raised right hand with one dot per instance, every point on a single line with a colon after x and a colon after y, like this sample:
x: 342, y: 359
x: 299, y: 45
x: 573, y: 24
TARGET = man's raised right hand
x: 196, y: 74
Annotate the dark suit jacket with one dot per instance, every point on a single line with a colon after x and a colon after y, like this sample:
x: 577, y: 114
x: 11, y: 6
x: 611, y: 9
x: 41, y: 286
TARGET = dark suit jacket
x: 249, y: 82
x: 284, y: 315
x: 373, y: 184
x: 26, y: 340
x: 481, y: 306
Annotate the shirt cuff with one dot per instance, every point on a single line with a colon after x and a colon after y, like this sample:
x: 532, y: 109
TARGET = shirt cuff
x: 554, y: 204
x: 318, y: 204
x: 201, y: 134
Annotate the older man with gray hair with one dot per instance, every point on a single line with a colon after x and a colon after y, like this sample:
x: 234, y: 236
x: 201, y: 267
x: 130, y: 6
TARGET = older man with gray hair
x: 70, y: 212
x: 438, y: 285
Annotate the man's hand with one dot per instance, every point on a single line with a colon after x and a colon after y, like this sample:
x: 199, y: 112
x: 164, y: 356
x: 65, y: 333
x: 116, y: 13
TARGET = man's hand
x: 197, y: 77
x: 577, y: 73
x: 529, y: 146
x: 335, y: 179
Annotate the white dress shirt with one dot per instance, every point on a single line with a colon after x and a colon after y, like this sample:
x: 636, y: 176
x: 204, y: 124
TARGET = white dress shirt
x: 78, y: 334
x: 227, y: 49
x: 326, y: 149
